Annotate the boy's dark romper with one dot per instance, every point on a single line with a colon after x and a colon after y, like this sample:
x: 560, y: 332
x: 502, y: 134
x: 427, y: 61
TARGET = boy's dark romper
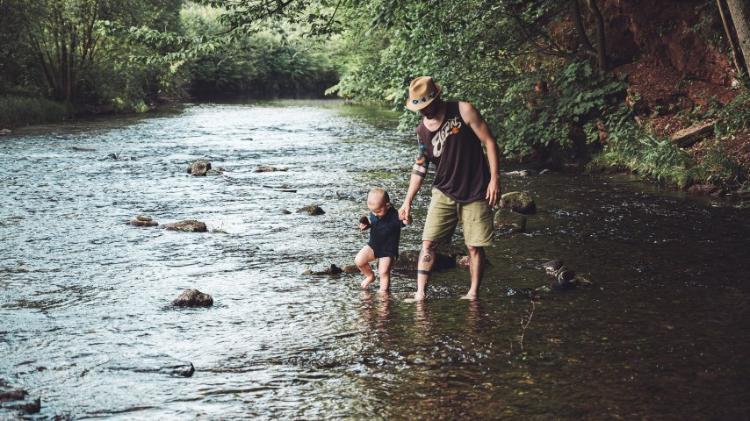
x: 385, y: 233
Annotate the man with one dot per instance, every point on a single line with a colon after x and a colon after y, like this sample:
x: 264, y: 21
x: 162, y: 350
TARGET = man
x: 466, y: 184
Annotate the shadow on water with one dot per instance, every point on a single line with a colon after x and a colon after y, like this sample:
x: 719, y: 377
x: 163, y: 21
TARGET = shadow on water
x: 662, y: 332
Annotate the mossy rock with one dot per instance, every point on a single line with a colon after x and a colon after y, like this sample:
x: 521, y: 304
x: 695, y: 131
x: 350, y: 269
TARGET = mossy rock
x: 520, y: 202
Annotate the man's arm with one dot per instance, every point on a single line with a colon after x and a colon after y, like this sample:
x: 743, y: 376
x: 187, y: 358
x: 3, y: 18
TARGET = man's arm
x: 472, y: 117
x: 419, y: 171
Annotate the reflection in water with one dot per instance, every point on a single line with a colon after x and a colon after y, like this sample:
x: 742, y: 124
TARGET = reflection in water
x: 85, y: 322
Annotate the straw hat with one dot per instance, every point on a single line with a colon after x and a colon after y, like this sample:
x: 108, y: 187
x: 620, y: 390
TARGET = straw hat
x: 422, y: 91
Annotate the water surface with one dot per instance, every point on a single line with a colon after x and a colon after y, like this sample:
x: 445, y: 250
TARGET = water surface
x: 85, y: 322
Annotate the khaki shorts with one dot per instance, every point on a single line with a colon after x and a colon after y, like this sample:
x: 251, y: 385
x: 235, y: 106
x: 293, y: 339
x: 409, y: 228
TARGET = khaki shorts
x: 444, y: 214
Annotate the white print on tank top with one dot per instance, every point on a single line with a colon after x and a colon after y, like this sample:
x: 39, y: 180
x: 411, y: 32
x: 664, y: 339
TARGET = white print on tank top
x: 450, y: 127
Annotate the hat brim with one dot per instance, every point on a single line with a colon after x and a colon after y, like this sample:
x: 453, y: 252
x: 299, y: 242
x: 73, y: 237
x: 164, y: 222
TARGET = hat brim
x: 421, y: 105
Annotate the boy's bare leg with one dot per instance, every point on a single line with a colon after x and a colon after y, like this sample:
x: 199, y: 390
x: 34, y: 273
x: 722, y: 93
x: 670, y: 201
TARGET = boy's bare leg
x: 476, y: 269
x: 424, y: 266
x: 385, y: 264
x: 363, y: 259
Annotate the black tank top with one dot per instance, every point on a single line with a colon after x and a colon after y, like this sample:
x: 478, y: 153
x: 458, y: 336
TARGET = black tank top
x: 462, y: 171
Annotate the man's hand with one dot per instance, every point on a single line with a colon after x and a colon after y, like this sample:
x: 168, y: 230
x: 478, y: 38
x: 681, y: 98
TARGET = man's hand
x: 404, y: 213
x: 493, y: 191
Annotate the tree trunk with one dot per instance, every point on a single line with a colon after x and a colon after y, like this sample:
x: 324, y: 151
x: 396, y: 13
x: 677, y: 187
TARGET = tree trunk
x: 579, y: 27
x: 738, y: 9
x: 601, y: 47
x: 739, y: 64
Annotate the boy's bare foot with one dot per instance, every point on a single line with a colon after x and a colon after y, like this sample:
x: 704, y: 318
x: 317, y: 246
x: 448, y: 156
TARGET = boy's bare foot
x: 366, y: 282
x: 471, y: 297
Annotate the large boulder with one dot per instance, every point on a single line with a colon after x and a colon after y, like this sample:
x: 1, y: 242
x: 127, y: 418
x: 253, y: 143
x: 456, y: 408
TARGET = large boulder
x: 189, y: 225
x: 517, y: 201
x: 193, y: 298
x: 199, y: 168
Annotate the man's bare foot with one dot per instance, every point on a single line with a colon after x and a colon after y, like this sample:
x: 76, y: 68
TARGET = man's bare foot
x: 471, y: 297
x: 366, y: 282
x: 419, y: 296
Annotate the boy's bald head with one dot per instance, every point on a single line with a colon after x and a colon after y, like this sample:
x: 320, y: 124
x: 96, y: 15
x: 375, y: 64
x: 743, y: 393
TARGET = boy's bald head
x: 378, y: 196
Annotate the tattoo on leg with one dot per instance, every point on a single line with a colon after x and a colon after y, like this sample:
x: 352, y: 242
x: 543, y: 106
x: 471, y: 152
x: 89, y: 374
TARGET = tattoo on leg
x: 426, y: 258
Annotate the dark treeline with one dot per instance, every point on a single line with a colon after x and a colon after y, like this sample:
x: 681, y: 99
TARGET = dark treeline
x: 567, y: 83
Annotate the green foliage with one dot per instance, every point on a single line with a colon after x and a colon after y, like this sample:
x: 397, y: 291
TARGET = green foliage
x: 630, y: 146
x: 539, y: 118
x: 260, y: 64
x: 735, y: 116
x: 18, y: 111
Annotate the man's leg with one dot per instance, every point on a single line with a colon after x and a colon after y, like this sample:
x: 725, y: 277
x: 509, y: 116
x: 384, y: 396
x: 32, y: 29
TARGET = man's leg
x: 441, y: 220
x: 476, y: 218
x: 476, y: 269
x: 424, y: 267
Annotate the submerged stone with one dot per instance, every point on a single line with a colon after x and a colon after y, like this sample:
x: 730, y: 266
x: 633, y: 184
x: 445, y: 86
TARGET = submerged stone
x: 189, y: 225
x: 143, y: 221
x: 313, y: 210
x: 408, y: 259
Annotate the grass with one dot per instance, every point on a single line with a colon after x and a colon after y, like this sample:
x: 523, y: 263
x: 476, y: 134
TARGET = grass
x: 17, y: 111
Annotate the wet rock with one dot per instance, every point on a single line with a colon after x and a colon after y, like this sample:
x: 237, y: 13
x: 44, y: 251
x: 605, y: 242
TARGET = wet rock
x: 331, y: 270
x: 509, y: 222
x: 16, y: 402
x: 408, y: 259
x: 267, y: 168
x: 463, y: 261
x: 520, y: 202
x: 216, y: 171
x: 160, y: 364
x: 564, y: 279
x: 285, y: 212
x: 520, y: 173
x: 182, y: 370
x: 552, y: 266
x: 705, y: 190
x: 311, y: 210
x: 189, y: 225
x: 5, y: 132
x: 688, y: 137
x: 199, y: 168
x: 193, y: 298
x: 545, y: 171
x: 113, y: 156
x: 350, y: 269
x: 82, y: 149
x: 143, y: 221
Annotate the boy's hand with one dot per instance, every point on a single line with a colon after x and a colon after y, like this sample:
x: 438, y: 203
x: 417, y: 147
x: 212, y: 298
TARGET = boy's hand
x: 364, y: 223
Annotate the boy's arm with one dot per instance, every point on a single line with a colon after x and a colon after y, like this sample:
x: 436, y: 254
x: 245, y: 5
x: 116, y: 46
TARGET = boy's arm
x: 419, y: 171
